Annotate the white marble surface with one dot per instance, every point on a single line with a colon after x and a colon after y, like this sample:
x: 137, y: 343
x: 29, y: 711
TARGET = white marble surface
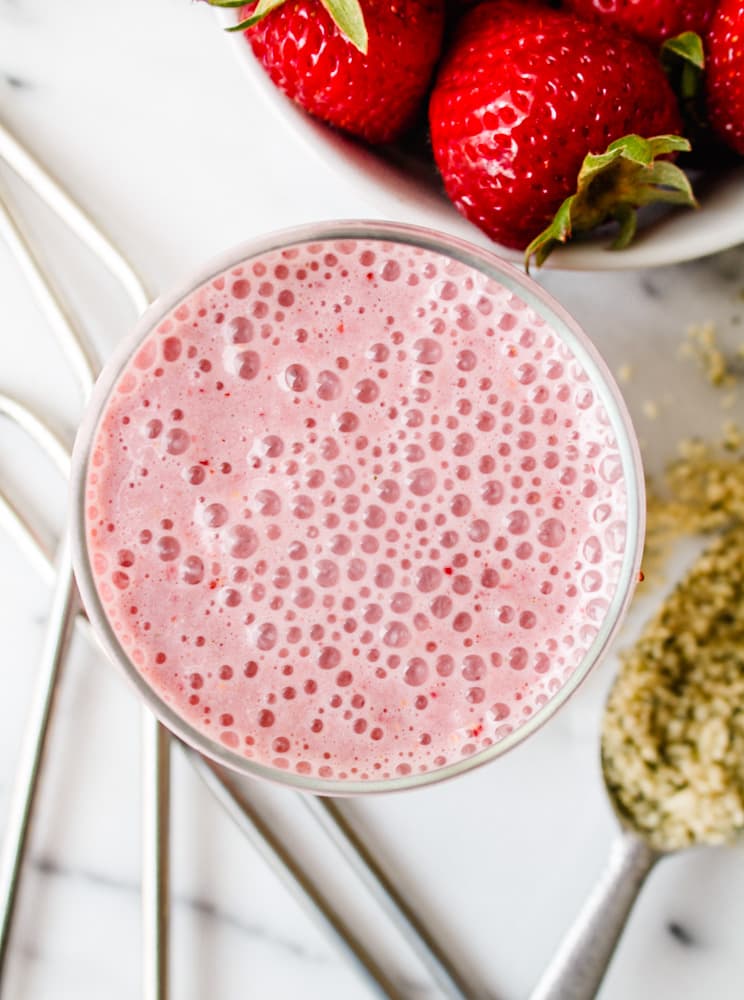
x: 141, y: 111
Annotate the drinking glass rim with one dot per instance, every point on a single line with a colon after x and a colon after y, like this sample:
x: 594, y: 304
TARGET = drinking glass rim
x: 493, y: 267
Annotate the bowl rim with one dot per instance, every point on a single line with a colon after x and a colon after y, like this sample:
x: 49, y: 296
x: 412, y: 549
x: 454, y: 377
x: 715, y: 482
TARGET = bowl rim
x: 674, y: 239
x: 493, y: 267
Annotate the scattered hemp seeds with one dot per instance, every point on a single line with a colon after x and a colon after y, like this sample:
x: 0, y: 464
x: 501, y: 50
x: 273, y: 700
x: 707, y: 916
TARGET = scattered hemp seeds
x: 702, y: 492
x: 673, y: 733
x: 701, y: 345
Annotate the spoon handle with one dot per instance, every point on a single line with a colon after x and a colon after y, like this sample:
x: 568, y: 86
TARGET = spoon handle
x: 578, y: 967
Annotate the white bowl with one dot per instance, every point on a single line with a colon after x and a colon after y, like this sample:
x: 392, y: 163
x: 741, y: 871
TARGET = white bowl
x: 406, y: 190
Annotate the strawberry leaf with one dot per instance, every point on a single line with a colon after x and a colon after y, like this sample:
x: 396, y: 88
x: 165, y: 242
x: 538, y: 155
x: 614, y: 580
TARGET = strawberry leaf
x: 660, y: 145
x: 687, y: 46
x: 346, y: 14
x: 560, y: 230
x: 683, y: 59
x: 349, y: 19
x: 611, y: 186
x: 262, y: 8
x: 628, y: 221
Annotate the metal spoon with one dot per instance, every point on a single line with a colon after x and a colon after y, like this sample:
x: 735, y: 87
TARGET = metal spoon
x: 668, y: 671
x: 578, y: 967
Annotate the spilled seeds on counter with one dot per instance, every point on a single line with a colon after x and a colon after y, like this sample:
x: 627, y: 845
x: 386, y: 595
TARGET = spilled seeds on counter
x: 702, y: 492
x: 701, y: 345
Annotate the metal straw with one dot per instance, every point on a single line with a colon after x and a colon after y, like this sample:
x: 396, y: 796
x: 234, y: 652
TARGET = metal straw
x: 338, y: 829
x: 276, y: 855
x: 155, y: 752
x: 77, y: 353
x: 53, y: 445
x: 29, y: 542
x: 33, y: 743
x: 34, y: 738
x: 28, y: 168
x: 155, y: 856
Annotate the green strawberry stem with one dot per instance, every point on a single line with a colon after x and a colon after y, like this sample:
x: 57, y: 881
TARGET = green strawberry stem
x: 611, y: 186
x: 346, y: 14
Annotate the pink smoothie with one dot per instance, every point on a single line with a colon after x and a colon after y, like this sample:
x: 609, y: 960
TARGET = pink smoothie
x: 355, y: 510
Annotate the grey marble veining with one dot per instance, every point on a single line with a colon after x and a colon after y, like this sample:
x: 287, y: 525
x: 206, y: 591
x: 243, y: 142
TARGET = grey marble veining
x: 203, y: 908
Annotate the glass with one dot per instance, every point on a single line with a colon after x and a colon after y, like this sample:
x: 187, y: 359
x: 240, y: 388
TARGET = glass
x: 561, y: 324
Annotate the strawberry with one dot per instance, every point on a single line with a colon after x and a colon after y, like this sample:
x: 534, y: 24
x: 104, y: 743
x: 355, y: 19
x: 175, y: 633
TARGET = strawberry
x: 522, y: 96
x: 364, y: 68
x: 651, y: 20
x: 725, y: 73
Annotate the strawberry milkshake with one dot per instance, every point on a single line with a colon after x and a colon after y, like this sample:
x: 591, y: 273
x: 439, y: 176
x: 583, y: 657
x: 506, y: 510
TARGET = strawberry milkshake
x: 355, y: 510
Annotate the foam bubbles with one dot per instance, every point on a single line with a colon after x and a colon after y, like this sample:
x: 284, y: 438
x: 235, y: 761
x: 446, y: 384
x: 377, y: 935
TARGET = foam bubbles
x: 192, y: 571
x: 215, y: 515
x: 552, y: 533
x: 427, y: 351
x: 326, y: 573
x: 396, y: 634
x: 329, y: 658
x: 421, y: 481
x: 248, y: 365
x: 365, y: 474
x: 492, y: 493
x: 296, y: 377
x: 328, y: 386
x: 243, y: 541
x: 177, y: 441
x: 269, y: 503
x: 416, y: 672
x: 388, y: 491
x: 366, y: 390
x: 168, y: 548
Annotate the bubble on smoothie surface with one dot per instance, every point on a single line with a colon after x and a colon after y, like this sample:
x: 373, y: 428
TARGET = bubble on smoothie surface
x: 356, y: 511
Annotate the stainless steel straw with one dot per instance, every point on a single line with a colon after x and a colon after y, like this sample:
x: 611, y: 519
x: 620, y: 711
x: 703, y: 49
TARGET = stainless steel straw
x: 155, y: 745
x: 28, y: 168
x: 63, y: 603
x: 279, y: 859
x: 32, y: 747
x: 155, y: 740
x: 328, y: 814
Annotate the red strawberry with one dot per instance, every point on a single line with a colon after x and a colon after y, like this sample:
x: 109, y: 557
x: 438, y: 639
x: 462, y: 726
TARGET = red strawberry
x: 652, y: 20
x: 522, y: 96
x: 725, y: 73
x: 371, y: 86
